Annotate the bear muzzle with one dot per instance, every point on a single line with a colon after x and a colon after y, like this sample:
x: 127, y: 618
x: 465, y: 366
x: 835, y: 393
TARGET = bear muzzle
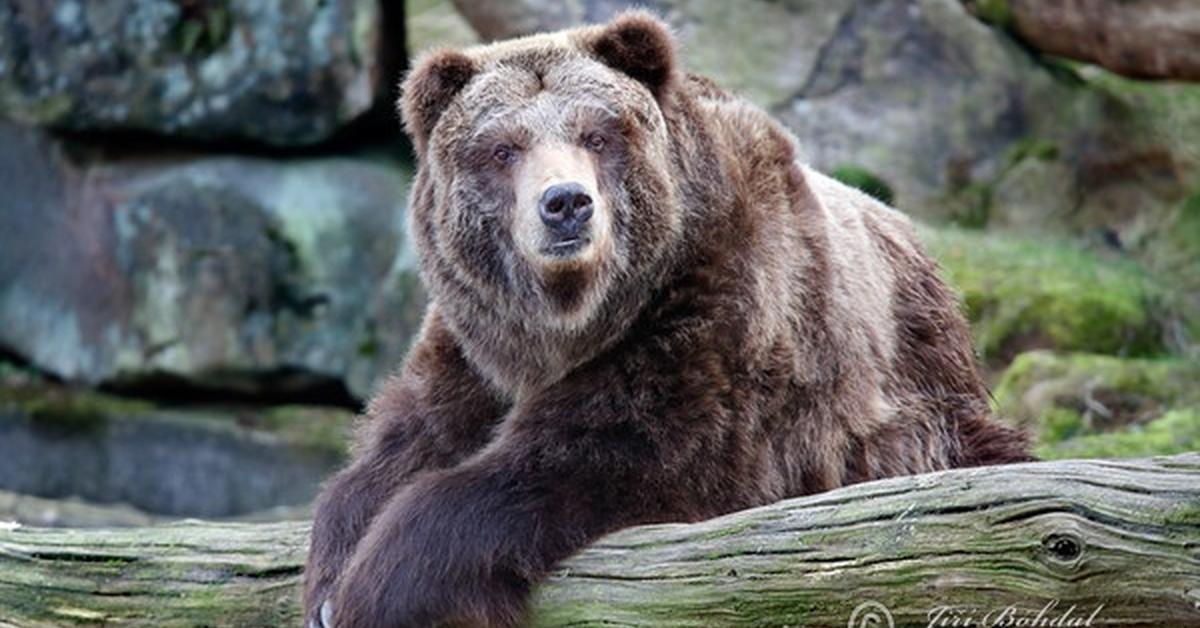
x: 565, y: 209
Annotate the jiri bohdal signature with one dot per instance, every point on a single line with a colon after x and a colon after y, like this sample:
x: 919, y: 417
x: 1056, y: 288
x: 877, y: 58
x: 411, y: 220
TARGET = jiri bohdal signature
x: 872, y: 614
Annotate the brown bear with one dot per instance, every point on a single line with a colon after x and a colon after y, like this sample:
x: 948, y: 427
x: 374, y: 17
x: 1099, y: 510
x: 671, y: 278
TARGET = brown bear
x: 643, y: 308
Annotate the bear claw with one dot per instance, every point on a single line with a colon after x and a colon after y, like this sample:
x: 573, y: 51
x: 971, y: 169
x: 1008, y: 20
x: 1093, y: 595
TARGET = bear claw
x: 326, y: 615
x: 324, y: 618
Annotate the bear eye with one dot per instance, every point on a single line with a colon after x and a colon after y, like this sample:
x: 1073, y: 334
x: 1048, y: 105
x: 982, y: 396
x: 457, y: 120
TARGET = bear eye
x: 595, y: 142
x: 504, y: 154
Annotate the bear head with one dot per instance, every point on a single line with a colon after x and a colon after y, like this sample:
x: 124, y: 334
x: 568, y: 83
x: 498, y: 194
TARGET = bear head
x: 546, y: 190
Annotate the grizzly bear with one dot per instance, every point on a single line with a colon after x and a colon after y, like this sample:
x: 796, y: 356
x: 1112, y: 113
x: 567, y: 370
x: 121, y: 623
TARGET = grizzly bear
x: 642, y: 308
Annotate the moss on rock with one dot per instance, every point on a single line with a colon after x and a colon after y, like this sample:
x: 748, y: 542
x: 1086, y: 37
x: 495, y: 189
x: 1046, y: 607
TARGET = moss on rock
x: 320, y: 429
x: 863, y: 179
x: 995, y: 12
x: 1038, y: 378
x: 1024, y: 293
x: 1171, y: 248
x: 67, y: 409
x: 314, y: 427
x: 1089, y: 404
x: 1177, y: 431
x: 167, y: 459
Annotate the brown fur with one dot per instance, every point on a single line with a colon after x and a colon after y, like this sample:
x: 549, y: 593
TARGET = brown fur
x: 751, y: 330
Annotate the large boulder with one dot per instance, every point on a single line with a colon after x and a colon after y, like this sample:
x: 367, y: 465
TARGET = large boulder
x: 1144, y: 39
x: 276, y: 71
x: 435, y: 23
x: 924, y: 96
x: 763, y: 50
x: 269, y: 276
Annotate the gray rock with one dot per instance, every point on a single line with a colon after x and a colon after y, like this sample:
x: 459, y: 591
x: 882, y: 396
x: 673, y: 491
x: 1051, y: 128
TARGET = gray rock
x: 922, y: 95
x: 63, y: 444
x: 277, y: 71
x: 763, y: 50
x: 435, y: 24
x: 230, y: 272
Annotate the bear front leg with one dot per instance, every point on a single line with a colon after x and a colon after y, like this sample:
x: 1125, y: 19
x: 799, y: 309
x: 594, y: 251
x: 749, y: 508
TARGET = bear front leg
x: 465, y: 546
x: 346, y: 505
x: 433, y: 415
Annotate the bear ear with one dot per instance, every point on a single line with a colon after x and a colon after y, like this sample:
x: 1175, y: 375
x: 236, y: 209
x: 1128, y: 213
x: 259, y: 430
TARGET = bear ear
x: 637, y: 43
x: 428, y: 89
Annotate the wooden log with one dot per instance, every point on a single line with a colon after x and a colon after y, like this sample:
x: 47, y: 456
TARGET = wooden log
x: 1158, y: 39
x: 1109, y: 542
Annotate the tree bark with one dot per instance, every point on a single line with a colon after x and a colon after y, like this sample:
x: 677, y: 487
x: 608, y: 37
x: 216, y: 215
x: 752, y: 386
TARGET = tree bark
x: 1114, y: 541
x: 1158, y: 39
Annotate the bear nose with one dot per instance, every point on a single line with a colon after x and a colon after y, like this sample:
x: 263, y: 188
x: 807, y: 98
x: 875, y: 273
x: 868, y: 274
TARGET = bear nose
x: 565, y: 207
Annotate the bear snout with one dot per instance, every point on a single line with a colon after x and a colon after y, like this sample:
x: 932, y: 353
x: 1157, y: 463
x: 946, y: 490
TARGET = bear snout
x: 565, y: 209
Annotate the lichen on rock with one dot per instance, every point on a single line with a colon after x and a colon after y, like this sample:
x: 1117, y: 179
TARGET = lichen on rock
x: 227, y: 272
x: 269, y: 71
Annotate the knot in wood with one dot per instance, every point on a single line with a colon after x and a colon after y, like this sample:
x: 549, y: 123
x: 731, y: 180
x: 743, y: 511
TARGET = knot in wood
x: 1062, y: 546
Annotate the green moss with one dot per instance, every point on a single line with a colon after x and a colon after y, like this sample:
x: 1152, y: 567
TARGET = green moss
x: 319, y: 429
x: 203, y: 27
x: 315, y: 428
x: 67, y: 409
x: 1022, y: 293
x: 862, y: 179
x: 1030, y: 148
x: 1189, y: 219
x: 1157, y: 123
x: 368, y: 347
x: 1037, y: 381
x: 726, y: 531
x: 1173, y: 252
x: 1187, y: 513
x: 1077, y: 401
x: 1059, y: 424
x: 1186, y: 236
x: 995, y: 12
x: 1177, y: 431
x: 1170, y: 111
x: 45, y: 110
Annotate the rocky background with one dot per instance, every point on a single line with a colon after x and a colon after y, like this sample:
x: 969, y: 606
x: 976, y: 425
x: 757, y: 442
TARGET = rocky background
x: 204, y: 270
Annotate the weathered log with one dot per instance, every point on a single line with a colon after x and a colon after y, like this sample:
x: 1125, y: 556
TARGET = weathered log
x: 1157, y: 39
x: 1113, y: 542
